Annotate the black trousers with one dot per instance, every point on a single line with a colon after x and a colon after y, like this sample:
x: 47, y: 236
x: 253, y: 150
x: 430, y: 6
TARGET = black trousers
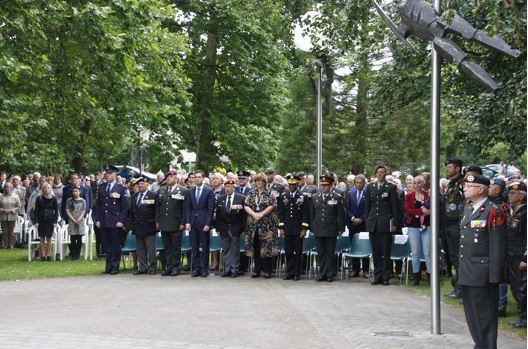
x: 356, y: 229
x: 381, y: 250
x: 517, y: 280
x: 480, y: 306
x: 99, y: 248
x: 75, y: 246
x: 172, y: 249
x: 452, y: 235
x: 293, y: 251
x: 325, y: 256
x: 262, y: 264
x: 112, y: 239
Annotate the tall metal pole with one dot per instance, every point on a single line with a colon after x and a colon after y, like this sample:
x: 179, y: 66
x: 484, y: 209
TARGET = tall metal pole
x: 435, y: 182
x: 319, y: 126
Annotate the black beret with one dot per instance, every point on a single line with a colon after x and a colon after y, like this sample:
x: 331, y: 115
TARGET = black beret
x: 479, y: 179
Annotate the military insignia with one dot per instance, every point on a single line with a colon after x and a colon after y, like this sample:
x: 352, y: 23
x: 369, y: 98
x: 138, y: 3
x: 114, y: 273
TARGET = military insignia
x: 385, y: 195
x: 177, y: 196
x: 452, y: 207
x: 115, y: 195
x: 148, y: 202
x: 332, y: 202
x: 470, y: 178
x: 482, y: 208
x: 285, y: 201
x: 300, y: 200
x: 478, y: 223
x: 514, y: 223
x: 236, y: 207
x: 308, y: 194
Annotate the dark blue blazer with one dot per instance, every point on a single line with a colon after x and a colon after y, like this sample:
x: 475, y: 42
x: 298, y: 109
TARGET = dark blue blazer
x: 244, y: 192
x: 111, y: 207
x: 353, y: 208
x: 86, y: 194
x: 201, y: 213
x: 143, y: 215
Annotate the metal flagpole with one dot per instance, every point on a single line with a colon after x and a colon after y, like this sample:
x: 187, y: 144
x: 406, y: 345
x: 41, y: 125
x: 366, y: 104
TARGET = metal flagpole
x: 435, y: 183
x: 319, y: 124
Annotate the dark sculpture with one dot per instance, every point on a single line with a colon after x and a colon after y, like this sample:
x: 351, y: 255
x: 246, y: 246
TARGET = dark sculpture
x: 420, y: 19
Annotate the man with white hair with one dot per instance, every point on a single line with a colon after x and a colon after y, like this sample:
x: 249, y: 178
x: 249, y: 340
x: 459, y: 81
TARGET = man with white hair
x: 155, y: 187
x: 350, y: 181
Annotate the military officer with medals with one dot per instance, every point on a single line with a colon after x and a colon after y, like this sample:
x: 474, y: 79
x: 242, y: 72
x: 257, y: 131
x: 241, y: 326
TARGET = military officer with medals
x: 112, y: 209
x: 482, y: 257
x: 516, y: 256
x: 273, y: 187
x: 451, y: 213
x: 327, y: 222
x: 170, y: 220
x: 305, y: 189
x: 382, y: 208
x: 294, y: 215
x: 143, y: 221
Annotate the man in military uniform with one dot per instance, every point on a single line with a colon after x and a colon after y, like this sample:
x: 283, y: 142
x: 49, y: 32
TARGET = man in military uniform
x: 327, y: 221
x: 112, y: 208
x: 294, y: 216
x: 482, y: 256
x: 170, y: 220
x: 275, y: 188
x: 382, y: 215
x: 143, y: 220
x: 496, y: 189
x: 452, y: 209
x: 243, y: 188
x: 516, y: 256
x: 306, y: 189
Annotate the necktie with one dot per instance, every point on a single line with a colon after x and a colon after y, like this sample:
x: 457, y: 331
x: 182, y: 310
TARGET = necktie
x: 140, y: 198
x: 228, y: 205
x: 358, y: 196
x: 108, y: 187
x: 198, y: 193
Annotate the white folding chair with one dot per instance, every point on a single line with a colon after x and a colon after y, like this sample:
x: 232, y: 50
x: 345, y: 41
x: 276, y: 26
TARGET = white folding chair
x: 33, y: 241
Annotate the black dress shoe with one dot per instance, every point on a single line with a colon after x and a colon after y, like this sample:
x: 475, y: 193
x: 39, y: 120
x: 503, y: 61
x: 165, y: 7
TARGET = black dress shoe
x: 140, y: 272
x: 195, y: 274
x: 288, y: 277
x: 266, y: 275
x: 330, y: 279
x: 320, y: 278
x: 152, y: 272
x: 386, y: 282
x: 502, y: 313
x: 518, y: 323
x: 114, y: 272
x: 105, y: 272
x: 225, y: 275
x: 205, y: 274
x: 166, y: 273
x: 376, y: 282
x: 255, y: 275
x: 234, y: 275
x: 455, y: 294
x: 175, y: 273
x: 296, y: 278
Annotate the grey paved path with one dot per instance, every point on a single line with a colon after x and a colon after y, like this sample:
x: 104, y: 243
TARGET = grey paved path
x: 128, y: 311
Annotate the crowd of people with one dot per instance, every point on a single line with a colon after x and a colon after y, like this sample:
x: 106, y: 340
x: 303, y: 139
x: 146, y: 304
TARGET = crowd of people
x: 483, y: 224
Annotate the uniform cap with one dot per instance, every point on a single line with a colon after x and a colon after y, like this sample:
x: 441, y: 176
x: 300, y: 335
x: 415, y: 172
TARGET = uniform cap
x: 171, y: 173
x: 243, y: 174
x: 478, y: 179
x: 292, y: 179
x: 269, y: 170
x: 111, y: 168
x: 498, y: 181
x: 517, y: 186
x: 326, y: 180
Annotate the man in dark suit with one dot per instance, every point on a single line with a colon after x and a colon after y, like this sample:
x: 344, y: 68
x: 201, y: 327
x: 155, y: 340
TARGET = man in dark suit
x: 243, y: 186
x: 382, y: 213
x: 293, y: 211
x: 327, y: 221
x: 86, y: 194
x: 481, y: 262
x: 355, y: 206
x: 230, y: 223
x: 199, y: 211
x: 112, y: 208
x: 143, y: 220
x: 170, y: 219
x: 275, y: 188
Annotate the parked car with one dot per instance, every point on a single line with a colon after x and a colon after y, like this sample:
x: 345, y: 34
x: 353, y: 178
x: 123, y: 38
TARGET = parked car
x: 507, y: 171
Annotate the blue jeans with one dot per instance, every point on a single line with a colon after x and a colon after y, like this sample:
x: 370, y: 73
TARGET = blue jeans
x: 420, y: 241
x: 503, y: 295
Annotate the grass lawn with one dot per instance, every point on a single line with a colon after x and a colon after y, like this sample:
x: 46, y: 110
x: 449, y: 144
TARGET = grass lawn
x: 445, y: 287
x: 15, y: 266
